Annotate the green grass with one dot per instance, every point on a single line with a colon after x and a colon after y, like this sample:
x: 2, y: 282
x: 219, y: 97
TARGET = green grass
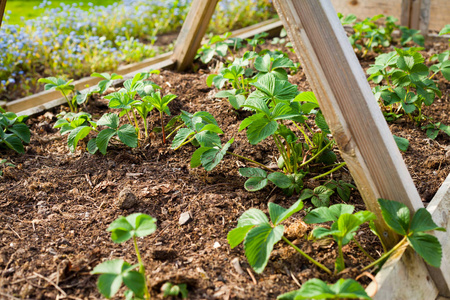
x: 25, y: 8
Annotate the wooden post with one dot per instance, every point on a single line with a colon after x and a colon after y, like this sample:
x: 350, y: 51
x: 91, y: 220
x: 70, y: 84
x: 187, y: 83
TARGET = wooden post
x: 354, y: 117
x: 416, y: 15
x: 352, y: 113
x: 192, y: 32
x: 2, y: 10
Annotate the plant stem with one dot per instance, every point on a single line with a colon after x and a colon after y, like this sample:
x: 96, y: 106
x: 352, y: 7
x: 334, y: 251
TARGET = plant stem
x: 187, y: 142
x: 307, y: 256
x: 251, y: 160
x: 308, y: 141
x: 362, y: 249
x: 316, y: 155
x: 136, y: 124
x: 68, y: 102
x: 341, y: 258
x: 162, y: 127
x: 141, y: 267
x: 176, y: 129
x: 283, y: 153
x: 387, y: 254
x: 331, y: 171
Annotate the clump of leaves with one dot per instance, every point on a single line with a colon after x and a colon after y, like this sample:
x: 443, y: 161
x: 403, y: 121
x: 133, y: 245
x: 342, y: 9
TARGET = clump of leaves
x: 317, y: 289
x: 398, y: 217
x: 344, y: 228
x: 78, y: 126
x: 13, y: 131
x: 108, y: 79
x: 433, y: 129
x: 64, y: 87
x: 170, y: 289
x: 407, y: 83
x: 160, y: 103
x: 218, y: 46
x: 320, y: 196
x: 260, y: 235
x: 3, y: 164
x: 117, y: 271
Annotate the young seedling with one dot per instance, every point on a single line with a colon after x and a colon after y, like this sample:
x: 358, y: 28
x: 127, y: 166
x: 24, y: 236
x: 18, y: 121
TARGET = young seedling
x: 115, y: 272
x: 343, y: 229
x: 3, y: 164
x: 13, y: 131
x: 317, y: 289
x: 260, y: 235
x: 170, y: 289
x: 108, y: 79
x: 161, y: 105
x: 433, y: 129
x: 320, y: 196
x: 64, y: 87
x: 397, y: 216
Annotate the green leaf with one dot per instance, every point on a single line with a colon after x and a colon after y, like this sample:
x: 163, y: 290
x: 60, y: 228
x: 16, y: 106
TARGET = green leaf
x: 306, y: 194
x: 422, y: 221
x: 208, y: 139
x: 127, y: 134
x: 209, y: 80
x: 22, y: 131
x: 110, y: 120
x: 280, y: 180
x: 135, y: 281
x: 321, y: 196
x: 254, y: 184
x: 427, y: 246
x: 347, y: 224
x: 326, y: 214
x: 14, y: 143
x: 121, y: 230
x: 142, y: 224
x: 279, y: 214
x: 237, y: 235
x: 182, y: 135
x: 262, y: 63
x: 396, y: 215
x: 76, y: 135
x: 196, y: 156
x: 109, y: 284
x: 252, y: 217
x: 252, y: 172
x: 92, y: 146
x: 259, y: 244
x: 103, y: 139
x: 261, y: 129
x: 402, y: 143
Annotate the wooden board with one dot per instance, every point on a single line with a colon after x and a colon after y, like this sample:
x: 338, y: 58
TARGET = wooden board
x: 192, y: 32
x: 48, y: 99
x: 2, y: 10
x: 439, y: 208
x: 348, y: 104
x: 439, y: 13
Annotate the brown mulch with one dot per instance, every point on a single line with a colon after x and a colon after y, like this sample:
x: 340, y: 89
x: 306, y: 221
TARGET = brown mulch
x: 55, y: 207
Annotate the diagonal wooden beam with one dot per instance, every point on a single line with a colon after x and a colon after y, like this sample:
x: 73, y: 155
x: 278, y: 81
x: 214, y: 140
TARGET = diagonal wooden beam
x: 192, y: 32
x: 351, y: 111
x: 2, y: 10
x: 345, y: 97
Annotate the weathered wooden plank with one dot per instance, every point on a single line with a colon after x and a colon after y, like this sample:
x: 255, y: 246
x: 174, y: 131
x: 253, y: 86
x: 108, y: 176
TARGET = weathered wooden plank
x: 369, y: 8
x: 440, y: 14
x: 405, y: 16
x: 439, y: 209
x: 272, y: 27
x: 2, y: 10
x: 192, y: 32
x: 420, y: 15
x: 352, y: 113
x: 47, y: 99
x: 406, y: 278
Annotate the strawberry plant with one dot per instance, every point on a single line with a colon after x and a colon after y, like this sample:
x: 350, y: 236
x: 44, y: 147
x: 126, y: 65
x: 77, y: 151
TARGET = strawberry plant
x: 397, y: 216
x: 343, y: 229
x: 317, y: 289
x: 260, y: 235
x: 161, y: 105
x: 13, y: 131
x: 64, y: 87
x: 108, y: 79
x: 408, y: 86
x: 117, y: 271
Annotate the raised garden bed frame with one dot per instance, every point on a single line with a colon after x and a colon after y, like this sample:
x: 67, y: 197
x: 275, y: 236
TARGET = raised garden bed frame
x: 355, y: 120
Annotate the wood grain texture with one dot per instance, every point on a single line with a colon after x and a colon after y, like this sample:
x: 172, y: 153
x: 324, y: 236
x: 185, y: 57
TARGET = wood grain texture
x: 351, y: 111
x: 404, y: 279
x: 192, y: 32
x: 439, y: 209
x: 2, y: 10
x: 439, y: 14
x: 369, y: 8
x: 420, y: 15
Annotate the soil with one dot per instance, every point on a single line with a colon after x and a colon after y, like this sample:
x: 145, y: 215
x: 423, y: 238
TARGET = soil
x: 55, y: 207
